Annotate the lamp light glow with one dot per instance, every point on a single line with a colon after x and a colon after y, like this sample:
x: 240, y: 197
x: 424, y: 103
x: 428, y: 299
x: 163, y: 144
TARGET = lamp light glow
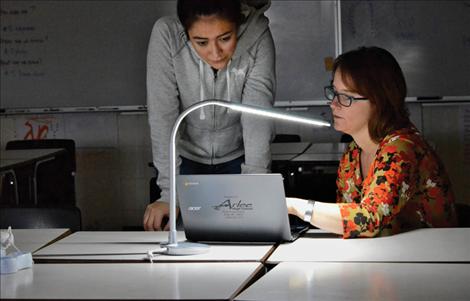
x: 173, y: 247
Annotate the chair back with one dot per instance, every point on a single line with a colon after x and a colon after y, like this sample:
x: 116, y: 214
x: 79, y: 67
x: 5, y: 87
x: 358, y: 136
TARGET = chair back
x: 283, y: 138
x: 463, y: 214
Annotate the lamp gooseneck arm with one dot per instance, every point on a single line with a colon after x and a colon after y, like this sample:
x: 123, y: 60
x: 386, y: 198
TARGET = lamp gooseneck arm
x: 172, y: 240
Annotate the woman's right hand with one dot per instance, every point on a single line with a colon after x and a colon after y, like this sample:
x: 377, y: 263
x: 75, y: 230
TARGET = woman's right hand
x: 296, y: 206
x: 156, y: 216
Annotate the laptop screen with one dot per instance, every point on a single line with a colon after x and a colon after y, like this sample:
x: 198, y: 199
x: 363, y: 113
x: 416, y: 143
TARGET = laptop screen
x: 239, y: 208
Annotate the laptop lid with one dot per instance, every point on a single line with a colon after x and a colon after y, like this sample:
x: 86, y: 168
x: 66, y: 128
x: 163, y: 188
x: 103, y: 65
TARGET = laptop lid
x: 234, y: 207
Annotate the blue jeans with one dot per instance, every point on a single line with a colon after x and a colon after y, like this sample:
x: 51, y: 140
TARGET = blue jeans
x: 189, y: 167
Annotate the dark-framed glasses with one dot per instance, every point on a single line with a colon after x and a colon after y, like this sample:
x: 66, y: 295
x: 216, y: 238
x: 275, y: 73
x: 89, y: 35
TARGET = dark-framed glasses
x: 343, y: 99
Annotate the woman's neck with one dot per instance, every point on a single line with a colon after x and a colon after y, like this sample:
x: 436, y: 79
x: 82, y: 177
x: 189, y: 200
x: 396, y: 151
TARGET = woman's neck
x: 365, y: 142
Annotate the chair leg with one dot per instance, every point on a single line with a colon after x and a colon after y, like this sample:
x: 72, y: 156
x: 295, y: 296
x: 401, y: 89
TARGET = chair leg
x: 35, y: 181
x: 15, y: 184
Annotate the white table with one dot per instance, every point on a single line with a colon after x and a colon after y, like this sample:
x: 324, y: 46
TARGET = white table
x: 24, y: 155
x: 137, y: 281
x: 133, y: 246
x: 30, y: 240
x: 362, y: 281
x: 422, y: 245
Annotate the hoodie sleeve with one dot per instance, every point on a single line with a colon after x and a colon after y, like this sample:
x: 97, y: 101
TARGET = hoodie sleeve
x: 259, y: 91
x: 162, y: 100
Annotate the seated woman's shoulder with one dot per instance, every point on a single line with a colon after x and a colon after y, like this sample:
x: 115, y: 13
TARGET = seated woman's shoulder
x: 404, y: 140
x: 405, y: 136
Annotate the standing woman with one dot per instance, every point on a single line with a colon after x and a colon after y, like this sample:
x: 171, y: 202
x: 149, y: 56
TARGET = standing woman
x: 215, y: 49
x: 389, y: 179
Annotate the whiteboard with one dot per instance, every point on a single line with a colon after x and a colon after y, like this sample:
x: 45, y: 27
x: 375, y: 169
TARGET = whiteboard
x: 430, y: 40
x: 76, y: 53
x: 93, y: 53
x: 304, y: 35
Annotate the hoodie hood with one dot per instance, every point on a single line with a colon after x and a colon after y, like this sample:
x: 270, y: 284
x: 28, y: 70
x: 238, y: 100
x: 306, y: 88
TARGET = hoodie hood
x: 254, y: 25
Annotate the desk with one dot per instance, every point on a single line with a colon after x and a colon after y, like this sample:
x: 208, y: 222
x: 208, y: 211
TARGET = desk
x: 322, y: 153
x: 135, y: 281
x: 404, y: 276
x: 30, y: 240
x: 287, y: 151
x: 23, y: 164
x: 422, y: 245
x: 133, y: 246
x: 15, y: 157
x: 362, y: 281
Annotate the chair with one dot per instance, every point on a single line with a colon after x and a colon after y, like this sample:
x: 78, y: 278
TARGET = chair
x: 281, y: 138
x: 39, y: 218
x: 463, y: 214
x: 154, y: 189
x: 55, y: 180
x: 8, y: 188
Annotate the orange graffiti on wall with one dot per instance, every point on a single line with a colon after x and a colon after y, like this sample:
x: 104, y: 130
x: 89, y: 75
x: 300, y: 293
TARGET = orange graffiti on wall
x: 37, y: 128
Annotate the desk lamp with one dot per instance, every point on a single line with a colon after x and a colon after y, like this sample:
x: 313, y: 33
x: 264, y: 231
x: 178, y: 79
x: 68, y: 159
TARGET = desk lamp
x: 173, y: 247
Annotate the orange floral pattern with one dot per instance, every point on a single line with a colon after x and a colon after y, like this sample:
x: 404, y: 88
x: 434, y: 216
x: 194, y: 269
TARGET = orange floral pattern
x: 406, y: 188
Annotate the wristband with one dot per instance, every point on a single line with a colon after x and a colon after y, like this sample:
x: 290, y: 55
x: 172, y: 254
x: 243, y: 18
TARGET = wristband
x: 309, y: 211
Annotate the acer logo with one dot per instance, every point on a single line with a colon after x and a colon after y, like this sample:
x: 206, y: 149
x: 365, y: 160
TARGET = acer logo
x: 194, y: 208
x: 233, y: 205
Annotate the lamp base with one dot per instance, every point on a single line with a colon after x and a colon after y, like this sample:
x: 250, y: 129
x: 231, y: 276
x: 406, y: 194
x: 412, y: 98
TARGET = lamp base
x: 185, y: 248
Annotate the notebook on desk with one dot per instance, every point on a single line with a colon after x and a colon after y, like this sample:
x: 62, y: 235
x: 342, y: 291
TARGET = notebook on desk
x: 236, y: 208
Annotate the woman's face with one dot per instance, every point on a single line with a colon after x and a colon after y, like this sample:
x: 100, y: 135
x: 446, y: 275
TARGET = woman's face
x: 350, y: 120
x: 214, y: 40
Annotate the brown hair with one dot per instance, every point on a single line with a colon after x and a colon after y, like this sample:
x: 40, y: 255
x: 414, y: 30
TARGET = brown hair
x: 189, y: 11
x: 374, y: 73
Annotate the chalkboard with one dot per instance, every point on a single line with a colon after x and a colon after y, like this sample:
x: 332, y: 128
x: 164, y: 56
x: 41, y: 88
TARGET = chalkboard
x: 93, y: 53
x: 304, y: 35
x: 430, y: 39
x: 76, y: 53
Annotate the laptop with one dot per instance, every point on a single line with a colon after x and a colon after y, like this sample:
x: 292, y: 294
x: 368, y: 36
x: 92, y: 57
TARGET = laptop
x: 236, y: 208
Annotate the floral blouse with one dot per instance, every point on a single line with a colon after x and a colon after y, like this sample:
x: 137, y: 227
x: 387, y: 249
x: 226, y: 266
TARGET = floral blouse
x: 406, y: 188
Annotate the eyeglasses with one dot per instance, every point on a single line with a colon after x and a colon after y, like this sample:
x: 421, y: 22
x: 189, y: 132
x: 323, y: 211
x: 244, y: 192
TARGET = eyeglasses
x: 343, y: 99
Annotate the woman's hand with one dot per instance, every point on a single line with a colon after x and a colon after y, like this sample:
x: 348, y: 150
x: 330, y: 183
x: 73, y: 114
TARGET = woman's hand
x: 325, y: 216
x: 297, y: 206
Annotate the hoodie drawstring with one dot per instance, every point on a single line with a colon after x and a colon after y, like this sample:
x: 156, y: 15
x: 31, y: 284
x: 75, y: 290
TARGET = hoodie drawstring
x: 227, y: 71
x: 202, y: 115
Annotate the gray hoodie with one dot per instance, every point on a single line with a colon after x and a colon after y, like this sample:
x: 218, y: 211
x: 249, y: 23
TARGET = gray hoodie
x: 177, y: 78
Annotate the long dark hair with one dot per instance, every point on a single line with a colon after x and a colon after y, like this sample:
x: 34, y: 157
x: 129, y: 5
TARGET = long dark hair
x: 374, y: 73
x: 189, y: 11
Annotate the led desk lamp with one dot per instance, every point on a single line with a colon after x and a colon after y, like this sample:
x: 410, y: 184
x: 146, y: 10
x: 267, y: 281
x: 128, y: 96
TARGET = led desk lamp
x: 173, y: 247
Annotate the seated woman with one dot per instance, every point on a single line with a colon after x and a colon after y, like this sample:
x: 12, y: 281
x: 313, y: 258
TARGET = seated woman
x: 389, y: 179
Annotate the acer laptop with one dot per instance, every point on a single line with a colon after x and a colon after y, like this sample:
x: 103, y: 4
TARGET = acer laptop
x: 236, y: 208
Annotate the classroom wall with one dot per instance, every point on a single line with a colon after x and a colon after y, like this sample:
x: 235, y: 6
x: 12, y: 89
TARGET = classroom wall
x: 113, y: 148
x: 113, y: 151
x: 112, y: 154
x: 447, y: 127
